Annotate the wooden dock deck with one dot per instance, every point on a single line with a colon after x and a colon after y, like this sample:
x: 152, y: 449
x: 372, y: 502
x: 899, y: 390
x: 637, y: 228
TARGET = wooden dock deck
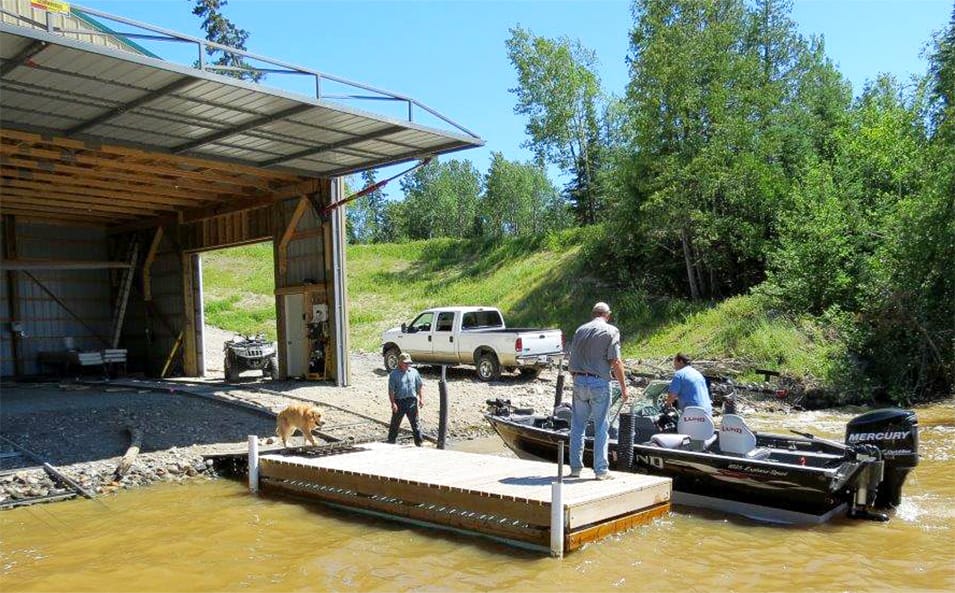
x: 502, y: 498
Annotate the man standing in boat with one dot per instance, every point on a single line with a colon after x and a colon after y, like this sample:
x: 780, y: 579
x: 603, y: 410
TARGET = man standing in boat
x: 688, y: 387
x: 594, y: 355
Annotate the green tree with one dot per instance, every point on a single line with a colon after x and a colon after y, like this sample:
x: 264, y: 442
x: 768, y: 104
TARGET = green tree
x: 520, y: 200
x: 440, y: 200
x: 908, y: 320
x: 366, y: 215
x: 221, y: 30
x: 559, y: 91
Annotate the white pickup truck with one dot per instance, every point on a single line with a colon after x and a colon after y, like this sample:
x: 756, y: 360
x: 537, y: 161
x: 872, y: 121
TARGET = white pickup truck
x: 472, y: 335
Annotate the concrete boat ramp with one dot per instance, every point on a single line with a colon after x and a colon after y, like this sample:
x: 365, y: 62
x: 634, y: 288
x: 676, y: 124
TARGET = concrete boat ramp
x: 516, y: 501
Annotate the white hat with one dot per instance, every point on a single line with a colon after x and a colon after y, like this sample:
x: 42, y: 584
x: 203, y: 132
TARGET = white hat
x: 601, y: 308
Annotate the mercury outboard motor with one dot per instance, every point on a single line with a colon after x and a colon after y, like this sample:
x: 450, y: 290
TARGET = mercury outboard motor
x: 896, y: 433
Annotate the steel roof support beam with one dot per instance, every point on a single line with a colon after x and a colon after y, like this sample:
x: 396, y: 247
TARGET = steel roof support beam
x: 117, y: 111
x: 326, y: 147
x: 255, y: 123
x: 21, y: 58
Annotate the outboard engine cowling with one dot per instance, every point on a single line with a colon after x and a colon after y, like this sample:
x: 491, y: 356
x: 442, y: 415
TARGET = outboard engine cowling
x: 896, y: 433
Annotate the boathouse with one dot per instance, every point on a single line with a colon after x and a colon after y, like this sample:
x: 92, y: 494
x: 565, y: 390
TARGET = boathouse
x: 120, y: 167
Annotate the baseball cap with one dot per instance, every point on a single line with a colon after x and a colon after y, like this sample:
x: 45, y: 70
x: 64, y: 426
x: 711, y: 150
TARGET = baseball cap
x: 601, y: 308
x: 404, y: 357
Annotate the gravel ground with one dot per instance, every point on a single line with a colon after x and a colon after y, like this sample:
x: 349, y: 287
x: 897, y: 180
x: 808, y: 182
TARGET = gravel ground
x: 82, y: 429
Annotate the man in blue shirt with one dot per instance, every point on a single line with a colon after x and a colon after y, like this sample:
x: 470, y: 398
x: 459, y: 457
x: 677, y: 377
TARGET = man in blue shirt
x: 688, y: 386
x: 404, y: 391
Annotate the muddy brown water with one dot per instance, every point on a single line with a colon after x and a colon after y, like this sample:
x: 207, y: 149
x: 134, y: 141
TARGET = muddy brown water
x: 215, y: 536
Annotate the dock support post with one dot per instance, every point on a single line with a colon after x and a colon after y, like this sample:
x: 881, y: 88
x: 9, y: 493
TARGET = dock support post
x: 253, y: 463
x: 557, y: 507
x: 559, y: 390
x: 443, y: 409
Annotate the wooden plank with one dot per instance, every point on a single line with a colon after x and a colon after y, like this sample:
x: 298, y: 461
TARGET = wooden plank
x: 109, y: 166
x: 410, y: 491
x: 283, y: 242
x: 586, y: 512
x: 460, y: 520
x: 63, y: 264
x: 77, y: 202
x: 38, y: 161
x: 576, y: 539
x: 169, y: 160
x: 146, y: 187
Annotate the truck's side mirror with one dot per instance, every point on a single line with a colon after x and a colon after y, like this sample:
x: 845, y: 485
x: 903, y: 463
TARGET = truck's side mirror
x: 404, y: 328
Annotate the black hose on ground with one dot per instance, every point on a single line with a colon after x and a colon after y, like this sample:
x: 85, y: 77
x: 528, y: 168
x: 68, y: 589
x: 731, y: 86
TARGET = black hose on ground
x: 443, y: 410
x: 559, y: 390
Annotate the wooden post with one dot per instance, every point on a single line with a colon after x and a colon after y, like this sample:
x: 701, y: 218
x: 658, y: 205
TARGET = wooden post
x: 253, y: 463
x: 13, y: 293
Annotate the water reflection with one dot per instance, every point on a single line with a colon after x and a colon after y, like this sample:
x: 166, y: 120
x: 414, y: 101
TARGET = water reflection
x: 213, y: 536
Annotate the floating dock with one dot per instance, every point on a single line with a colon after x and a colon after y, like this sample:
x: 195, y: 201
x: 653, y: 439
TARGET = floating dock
x: 502, y: 498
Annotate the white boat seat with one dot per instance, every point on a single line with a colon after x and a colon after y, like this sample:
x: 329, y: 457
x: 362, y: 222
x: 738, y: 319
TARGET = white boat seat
x: 694, y: 429
x: 697, y: 424
x: 737, y: 439
x: 669, y: 440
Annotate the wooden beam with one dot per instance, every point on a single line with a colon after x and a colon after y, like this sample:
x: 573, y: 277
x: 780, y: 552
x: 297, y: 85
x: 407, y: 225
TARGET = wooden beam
x: 39, y: 163
x: 54, y: 218
x: 51, y: 264
x: 168, y: 159
x: 33, y: 209
x: 92, y: 159
x: 190, y: 365
x: 22, y: 196
x: 147, y: 191
x: 300, y: 209
x: 13, y: 291
x: 148, y: 263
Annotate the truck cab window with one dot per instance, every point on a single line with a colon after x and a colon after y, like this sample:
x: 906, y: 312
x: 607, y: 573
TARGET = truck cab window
x: 481, y: 320
x: 422, y: 323
x: 445, y: 321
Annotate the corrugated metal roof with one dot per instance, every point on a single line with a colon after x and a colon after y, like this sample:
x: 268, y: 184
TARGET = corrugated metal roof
x: 105, y: 111
x: 79, y: 90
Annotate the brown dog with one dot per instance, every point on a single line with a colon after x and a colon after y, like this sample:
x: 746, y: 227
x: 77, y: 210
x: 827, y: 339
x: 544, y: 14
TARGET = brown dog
x: 303, y: 417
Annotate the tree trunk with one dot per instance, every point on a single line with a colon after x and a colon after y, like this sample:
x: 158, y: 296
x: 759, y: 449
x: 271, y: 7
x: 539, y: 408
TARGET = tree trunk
x: 688, y: 260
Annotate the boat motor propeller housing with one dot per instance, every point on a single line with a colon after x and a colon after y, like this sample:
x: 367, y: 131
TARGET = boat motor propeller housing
x: 895, y: 433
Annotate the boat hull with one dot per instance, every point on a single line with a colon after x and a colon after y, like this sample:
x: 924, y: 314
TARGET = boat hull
x: 764, y: 490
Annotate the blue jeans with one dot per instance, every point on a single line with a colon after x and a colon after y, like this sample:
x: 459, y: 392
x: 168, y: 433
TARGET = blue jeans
x: 407, y: 406
x: 591, y: 400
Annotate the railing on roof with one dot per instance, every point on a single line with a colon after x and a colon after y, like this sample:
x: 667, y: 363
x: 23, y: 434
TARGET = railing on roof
x: 202, y: 45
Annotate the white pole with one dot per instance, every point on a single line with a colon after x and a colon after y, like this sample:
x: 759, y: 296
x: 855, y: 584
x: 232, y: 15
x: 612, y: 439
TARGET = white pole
x: 253, y: 463
x: 557, y: 507
x: 557, y: 519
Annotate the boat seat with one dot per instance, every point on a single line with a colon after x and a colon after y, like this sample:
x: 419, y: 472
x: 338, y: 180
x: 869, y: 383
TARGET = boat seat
x: 669, y: 440
x: 694, y: 430
x: 737, y: 439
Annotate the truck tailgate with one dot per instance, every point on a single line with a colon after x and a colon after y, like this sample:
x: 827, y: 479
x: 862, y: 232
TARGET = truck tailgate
x: 539, y: 342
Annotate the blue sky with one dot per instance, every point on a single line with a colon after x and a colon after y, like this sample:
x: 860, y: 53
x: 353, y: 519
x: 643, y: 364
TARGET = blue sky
x: 451, y: 55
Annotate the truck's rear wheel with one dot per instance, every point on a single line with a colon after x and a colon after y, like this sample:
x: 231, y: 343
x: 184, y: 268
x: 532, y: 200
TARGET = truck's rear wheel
x: 391, y: 358
x: 488, y: 368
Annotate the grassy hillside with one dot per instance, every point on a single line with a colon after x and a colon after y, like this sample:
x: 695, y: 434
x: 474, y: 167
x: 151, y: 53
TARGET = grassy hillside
x: 543, y: 282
